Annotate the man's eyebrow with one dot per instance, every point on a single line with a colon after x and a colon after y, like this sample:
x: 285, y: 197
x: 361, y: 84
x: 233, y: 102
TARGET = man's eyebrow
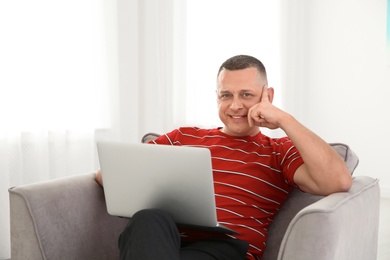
x: 240, y: 91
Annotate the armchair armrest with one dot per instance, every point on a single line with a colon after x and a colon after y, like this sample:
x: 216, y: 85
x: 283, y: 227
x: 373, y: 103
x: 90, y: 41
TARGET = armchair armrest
x: 339, y: 226
x: 64, y: 218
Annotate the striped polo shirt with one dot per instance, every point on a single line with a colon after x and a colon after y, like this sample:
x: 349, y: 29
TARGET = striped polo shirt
x: 252, y: 178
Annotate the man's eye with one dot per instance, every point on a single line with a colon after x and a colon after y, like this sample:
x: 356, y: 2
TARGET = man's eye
x: 225, y: 95
x: 247, y: 95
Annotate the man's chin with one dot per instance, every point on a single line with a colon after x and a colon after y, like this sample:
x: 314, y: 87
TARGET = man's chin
x: 240, y: 131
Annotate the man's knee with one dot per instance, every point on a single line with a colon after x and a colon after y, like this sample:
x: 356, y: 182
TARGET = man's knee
x: 150, y: 228
x: 152, y: 216
x: 148, y: 222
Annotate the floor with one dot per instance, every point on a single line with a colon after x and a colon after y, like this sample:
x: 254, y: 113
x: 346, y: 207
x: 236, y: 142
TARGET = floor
x: 384, y: 230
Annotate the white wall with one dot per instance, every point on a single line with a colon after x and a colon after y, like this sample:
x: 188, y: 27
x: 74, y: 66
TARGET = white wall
x: 337, y: 77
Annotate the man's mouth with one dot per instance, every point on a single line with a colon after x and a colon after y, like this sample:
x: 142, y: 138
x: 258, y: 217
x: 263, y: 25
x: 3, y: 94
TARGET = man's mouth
x: 238, y: 117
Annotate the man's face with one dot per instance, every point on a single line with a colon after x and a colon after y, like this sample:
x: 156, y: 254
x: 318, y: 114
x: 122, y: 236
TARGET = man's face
x: 237, y: 91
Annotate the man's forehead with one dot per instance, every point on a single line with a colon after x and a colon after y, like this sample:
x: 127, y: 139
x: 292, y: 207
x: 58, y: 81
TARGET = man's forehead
x: 222, y: 89
x: 253, y: 89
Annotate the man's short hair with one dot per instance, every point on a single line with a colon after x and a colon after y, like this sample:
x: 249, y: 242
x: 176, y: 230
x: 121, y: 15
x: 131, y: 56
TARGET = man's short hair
x: 240, y: 62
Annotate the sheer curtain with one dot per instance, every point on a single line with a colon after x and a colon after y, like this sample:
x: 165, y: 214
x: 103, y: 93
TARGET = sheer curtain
x: 73, y: 72
x: 53, y: 92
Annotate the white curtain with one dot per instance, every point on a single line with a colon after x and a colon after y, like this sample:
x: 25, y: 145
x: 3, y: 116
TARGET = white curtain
x: 53, y: 93
x: 73, y: 72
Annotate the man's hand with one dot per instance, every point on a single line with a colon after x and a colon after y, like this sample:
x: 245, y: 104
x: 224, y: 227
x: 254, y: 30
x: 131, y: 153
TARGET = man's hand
x: 265, y: 114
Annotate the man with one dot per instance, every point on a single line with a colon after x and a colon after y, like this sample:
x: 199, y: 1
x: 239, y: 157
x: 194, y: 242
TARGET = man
x: 252, y: 172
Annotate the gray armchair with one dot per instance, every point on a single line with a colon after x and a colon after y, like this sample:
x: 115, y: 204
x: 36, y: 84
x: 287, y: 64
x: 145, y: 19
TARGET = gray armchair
x: 66, y: 218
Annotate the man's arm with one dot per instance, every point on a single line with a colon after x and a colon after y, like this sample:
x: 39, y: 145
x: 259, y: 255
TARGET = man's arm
x: 324, y: 171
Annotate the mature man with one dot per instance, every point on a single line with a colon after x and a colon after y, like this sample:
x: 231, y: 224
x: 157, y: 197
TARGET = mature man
x: 252, y: 173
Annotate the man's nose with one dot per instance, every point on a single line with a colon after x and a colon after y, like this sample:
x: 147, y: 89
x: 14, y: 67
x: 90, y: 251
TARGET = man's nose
x: 236, y: 104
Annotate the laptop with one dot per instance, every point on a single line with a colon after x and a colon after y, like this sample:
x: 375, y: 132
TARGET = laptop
x: 177, y: 179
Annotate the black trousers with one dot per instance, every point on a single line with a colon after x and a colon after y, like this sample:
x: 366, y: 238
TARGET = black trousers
x: 152, y: 234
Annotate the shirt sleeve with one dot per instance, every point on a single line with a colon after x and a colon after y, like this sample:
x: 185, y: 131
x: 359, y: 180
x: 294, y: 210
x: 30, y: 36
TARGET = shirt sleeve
x: 291, y: 160
x: 167, y: 139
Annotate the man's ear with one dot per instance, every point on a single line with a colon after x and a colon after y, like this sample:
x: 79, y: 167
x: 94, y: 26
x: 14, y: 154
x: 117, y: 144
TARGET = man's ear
x: 271, y: 94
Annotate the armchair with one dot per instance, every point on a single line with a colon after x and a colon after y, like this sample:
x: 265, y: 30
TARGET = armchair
x: 66, y: 218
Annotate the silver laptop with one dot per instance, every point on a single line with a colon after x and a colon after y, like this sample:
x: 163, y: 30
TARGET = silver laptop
x: 176, y: 179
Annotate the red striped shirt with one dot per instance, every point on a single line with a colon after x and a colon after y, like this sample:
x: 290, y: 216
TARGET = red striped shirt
x: 252, y: 178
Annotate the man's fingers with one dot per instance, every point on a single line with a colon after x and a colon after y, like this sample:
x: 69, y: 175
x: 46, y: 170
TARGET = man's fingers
x: 251, y: 120
x: 255, y: 117
x: 264, y: 95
